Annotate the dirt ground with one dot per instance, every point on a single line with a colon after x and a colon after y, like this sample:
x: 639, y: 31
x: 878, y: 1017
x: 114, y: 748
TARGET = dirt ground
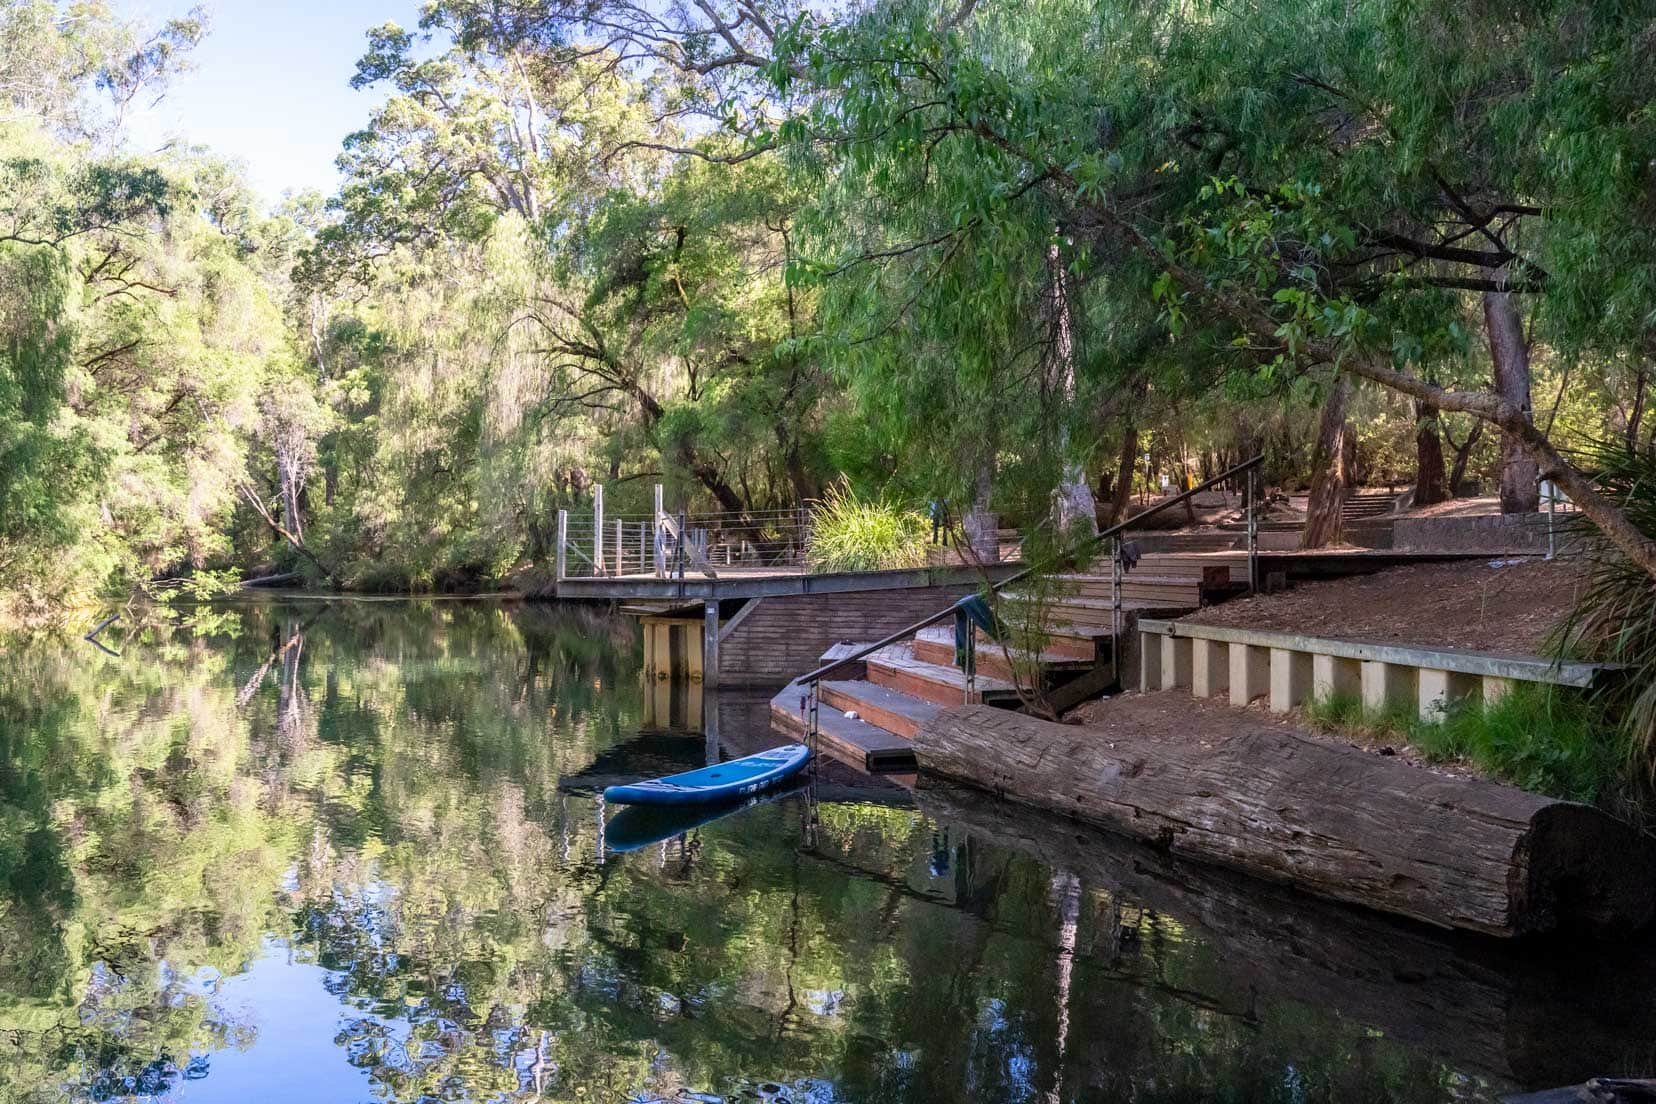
x: 1508, y: 608
x: 1458, y: 507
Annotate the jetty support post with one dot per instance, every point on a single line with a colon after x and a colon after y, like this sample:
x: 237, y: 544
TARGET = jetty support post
x: 563, y: 545
x: 598, y: 529
x: 710, y: 644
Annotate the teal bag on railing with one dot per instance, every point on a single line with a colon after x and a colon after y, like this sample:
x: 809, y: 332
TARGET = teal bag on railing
x: 972, y: 612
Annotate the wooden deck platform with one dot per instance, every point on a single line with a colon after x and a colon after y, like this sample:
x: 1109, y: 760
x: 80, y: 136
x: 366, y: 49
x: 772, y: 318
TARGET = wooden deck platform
x: 746, y: 582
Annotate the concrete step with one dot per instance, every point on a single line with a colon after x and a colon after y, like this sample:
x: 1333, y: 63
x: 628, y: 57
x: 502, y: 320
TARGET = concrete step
x: 898, y: 713
x: 865, y: 746
x: 899, y: 668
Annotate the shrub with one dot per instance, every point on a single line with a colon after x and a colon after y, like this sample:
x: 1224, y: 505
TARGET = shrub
x: 1614, y: 620
x: 849, y: 533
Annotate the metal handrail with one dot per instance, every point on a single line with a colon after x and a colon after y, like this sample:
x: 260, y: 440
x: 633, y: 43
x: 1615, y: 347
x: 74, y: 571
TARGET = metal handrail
x: 1095, y: 542
x: 1228, y: 473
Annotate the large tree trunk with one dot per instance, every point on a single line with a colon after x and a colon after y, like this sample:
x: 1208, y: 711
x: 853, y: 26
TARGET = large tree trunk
x: 727, y: 496
x: 1073, y: 499
x: 1331, y: 471
x: 981, y: 527
x: 1122, y: 491
x: 1429, y: 486
x: 1510, y: 354
x: 1331, y: 820
x: 1463, y: 453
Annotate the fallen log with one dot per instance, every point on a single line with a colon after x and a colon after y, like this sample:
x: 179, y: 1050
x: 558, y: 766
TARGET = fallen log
x: 277, y: 579
x: 1333, y: 821
x: 1485, y: 1007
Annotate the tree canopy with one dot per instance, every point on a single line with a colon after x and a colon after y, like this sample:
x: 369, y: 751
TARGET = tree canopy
x: 1025, y: 257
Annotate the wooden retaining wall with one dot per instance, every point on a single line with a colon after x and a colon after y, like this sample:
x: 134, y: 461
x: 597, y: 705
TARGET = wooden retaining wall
x: 783, y: 636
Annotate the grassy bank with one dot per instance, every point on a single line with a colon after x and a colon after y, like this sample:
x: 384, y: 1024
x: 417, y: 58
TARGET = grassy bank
x: 1549, y: 740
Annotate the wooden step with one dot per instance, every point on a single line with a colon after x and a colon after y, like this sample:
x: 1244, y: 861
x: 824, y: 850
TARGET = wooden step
x: 1067, y: 649
x: 881, y: 706
x: 864, y: 746
x: 1207, y: 576
x: 898, y: 668
x: 1178, y: 564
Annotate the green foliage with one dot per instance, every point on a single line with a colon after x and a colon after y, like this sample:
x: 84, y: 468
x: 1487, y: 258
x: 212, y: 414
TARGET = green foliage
x: 1615, y: 617
x: 1545, y: 739
x: 851, y: 533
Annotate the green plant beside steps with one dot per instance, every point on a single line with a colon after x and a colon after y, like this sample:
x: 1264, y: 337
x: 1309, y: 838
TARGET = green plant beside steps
x: 849, y: 533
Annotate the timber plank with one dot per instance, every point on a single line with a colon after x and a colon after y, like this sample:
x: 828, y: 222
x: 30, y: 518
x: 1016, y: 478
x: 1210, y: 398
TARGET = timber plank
x: 880, y: 706
x: 900, y: 669
x: 859, y: 743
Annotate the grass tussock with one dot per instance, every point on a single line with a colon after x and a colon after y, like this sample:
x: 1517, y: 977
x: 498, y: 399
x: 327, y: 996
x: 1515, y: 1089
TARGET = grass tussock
x: 1549, y: 740
x: 849, y: 533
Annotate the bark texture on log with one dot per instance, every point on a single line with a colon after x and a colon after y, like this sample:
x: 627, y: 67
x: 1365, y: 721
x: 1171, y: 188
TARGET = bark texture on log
x: 1331, y: 471
x: 1332, y: 821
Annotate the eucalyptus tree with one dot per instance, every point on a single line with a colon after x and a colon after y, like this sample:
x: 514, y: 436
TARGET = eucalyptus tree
x: 657, y: 313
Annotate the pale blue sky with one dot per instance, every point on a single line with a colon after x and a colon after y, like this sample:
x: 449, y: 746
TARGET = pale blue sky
x: 271, y: 85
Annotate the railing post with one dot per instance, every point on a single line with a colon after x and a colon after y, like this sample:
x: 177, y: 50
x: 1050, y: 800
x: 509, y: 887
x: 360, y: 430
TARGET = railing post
x: 598, y: 529
x: 811, y: 731
x: 563, y: 544
x: 655, y: 530
x: 1253, y: 536
x: 683, y: 537
x: 971, y: 660
x: 1115, y: 597
x: 620, y: 555
x: 643, y: 549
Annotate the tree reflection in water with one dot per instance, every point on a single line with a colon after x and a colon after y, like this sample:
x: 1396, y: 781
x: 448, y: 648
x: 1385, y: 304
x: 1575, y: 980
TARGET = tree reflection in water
x: 388, y: 809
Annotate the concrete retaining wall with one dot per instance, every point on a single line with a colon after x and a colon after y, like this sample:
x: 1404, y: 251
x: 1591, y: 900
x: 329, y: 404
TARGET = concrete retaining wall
x: 1495, y: 534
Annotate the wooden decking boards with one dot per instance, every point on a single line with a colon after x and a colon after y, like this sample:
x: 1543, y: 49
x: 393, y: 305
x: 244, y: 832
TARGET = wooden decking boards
x: 864, y: 746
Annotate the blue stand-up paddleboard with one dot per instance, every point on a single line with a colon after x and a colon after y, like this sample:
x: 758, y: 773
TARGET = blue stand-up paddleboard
x: 736, y: 778
x: 641, y: 825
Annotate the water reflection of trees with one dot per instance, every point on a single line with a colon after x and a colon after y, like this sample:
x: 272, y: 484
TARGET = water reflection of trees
x: 378, y: 788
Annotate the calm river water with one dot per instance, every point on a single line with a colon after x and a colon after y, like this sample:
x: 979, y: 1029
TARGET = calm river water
x: 352, y: 851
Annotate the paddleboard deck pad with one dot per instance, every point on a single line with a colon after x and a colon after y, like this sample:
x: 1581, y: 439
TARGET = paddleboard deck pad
x: 720, y: 782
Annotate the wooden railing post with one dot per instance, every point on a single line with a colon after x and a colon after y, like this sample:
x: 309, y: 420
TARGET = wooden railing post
x: 563, y: 544
x: 598, y: 529
x: 620, y: 554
